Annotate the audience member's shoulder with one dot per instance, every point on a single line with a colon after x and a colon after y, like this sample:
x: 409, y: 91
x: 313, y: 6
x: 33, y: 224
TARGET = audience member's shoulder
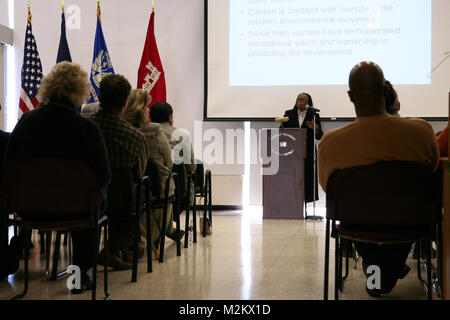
x: 337, y: 133
x: 90, y: 109
x: 132, y: 130
x: 152, y: 129
x: 88, y: 123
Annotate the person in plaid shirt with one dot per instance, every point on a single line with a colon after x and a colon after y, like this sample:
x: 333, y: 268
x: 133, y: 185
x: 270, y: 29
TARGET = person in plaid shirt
x: 127, y: 148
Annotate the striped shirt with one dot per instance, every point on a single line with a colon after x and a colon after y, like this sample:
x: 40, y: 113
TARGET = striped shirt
x: 126, y: 145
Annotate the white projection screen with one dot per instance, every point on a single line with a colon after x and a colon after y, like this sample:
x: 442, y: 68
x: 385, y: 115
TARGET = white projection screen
x: 262, y: 53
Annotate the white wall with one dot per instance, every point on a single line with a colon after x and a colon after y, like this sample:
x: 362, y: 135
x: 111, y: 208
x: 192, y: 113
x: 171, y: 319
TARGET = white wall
x: 2, y: 87
x: 179, y: 34
x: 4, y: 13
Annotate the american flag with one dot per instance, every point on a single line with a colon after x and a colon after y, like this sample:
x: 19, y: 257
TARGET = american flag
x: 31, y: 72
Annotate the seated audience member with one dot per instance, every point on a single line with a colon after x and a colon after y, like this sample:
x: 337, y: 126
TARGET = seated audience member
x: 127, y: 148
x: 54, y: 129
x: 375, y: 136
x: 391, y: 100
x: 179, y: 139
x: 137, y: 113
x: 442, y: 140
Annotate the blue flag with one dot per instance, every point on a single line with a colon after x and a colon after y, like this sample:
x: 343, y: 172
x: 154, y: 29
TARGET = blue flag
x: 63, y: 51
x: 101, y: 63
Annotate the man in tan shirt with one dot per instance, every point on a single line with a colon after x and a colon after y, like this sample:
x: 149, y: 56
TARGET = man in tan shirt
x: 376, y: 136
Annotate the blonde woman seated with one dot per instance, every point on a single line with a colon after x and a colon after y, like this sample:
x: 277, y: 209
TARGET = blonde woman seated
x: 137, y: 114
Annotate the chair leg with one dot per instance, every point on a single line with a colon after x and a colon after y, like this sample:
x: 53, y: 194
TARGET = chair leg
x: 336, y: 268
x: 205, y: 204
x: 48, y: 250
x: 105, y: 273
x: 429, y: 267
x: 94, y: 272
x: 341, y: 279
x: 42, y: 241
x: 355, y: 257
x: 186, y: 224
x: 347, y: 253
x: 70, y: 244
x: 56, y: 256
x: 210, y: 199
x: 194, y: 218
x: 149, y: 237
x: 66, y: 234
x: 162, y: 236
x: 26, y: 258
x: 177, y: 222
x: 419, y: 254
x: 327, y: 259
x: 136, y: 233
x: 135, y: 248
x: 440, y: 258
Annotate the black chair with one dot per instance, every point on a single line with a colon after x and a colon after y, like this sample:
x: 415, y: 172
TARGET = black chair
x: 163, y: 203
x: 53, y: 194
x: 125, y: 205
x: 385, y: 202
x: 203, y: 189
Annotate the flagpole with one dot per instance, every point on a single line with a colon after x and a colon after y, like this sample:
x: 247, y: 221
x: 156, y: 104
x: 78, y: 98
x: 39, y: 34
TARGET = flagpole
x: 29, y: 11
x: 98, y: 11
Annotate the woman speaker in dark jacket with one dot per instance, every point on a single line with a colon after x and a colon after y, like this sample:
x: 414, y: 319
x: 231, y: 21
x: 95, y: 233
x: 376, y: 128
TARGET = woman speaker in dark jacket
x: 301, y: 116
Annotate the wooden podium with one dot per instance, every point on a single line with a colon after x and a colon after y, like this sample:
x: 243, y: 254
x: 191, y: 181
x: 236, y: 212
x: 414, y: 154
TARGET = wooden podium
x: 283, y: 193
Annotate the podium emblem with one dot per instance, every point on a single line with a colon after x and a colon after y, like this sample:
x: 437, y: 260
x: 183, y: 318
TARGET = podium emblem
x: 286, y: 142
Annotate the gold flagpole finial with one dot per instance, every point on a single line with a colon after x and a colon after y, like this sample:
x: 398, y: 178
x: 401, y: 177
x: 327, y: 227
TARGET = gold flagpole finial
x: 63, y: 5
x: 29, y: 6
x: 98, y: 3
x: 153, y: 5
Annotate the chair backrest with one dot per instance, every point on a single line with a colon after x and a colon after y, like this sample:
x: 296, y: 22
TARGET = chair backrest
x: 181, y: 171
x: 120, y: 190
x: 386, y: 193
x: 40, y: 186
x: 199, y: 177
x: 154, y: 174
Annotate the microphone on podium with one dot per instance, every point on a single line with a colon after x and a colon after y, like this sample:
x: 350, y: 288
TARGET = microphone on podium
x: 312, y: 108
x: 282, y: 120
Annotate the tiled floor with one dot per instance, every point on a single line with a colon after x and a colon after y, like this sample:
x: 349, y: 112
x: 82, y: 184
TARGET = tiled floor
x: 245, y: 258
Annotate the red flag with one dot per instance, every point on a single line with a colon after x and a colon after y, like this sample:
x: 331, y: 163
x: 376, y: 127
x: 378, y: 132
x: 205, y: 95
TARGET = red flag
x: 151, y: 73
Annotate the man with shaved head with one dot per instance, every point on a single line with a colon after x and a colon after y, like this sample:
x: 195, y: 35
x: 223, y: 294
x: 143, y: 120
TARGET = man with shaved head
x: 375, y: 136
